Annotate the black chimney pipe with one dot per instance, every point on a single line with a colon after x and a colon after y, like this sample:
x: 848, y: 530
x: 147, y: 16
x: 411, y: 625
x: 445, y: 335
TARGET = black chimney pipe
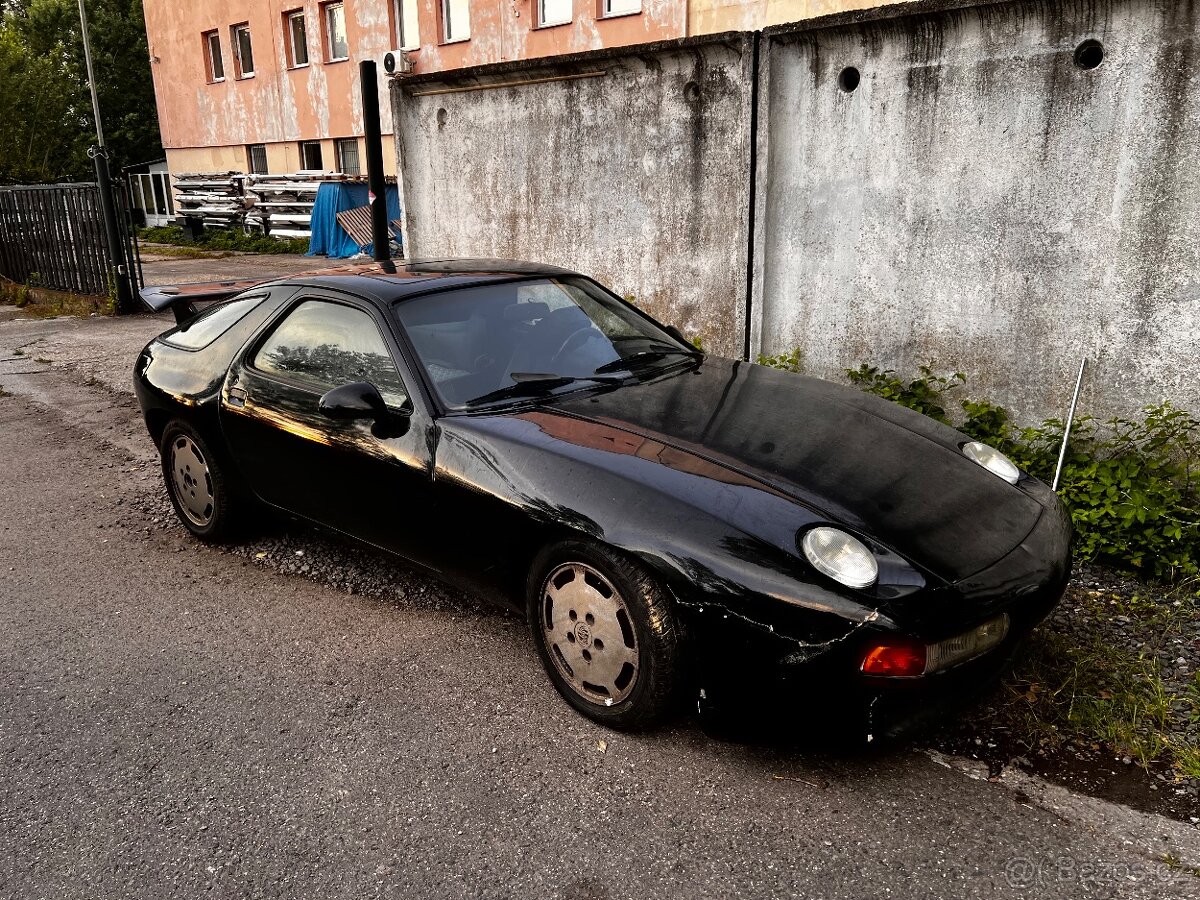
x: 381, y: 234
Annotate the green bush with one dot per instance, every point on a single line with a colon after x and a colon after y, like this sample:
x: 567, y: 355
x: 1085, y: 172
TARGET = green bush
x: 791, y: 361
x: 219, y: 239
x: 1130, y: 485
x: 924, y: 394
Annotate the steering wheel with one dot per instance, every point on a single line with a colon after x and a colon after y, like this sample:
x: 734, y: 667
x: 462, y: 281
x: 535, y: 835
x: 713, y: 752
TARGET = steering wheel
x: 575, y: 339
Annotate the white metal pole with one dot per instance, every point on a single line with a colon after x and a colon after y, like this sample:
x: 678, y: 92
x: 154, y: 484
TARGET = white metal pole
x: 87, y: 58
x: 1062, y: 453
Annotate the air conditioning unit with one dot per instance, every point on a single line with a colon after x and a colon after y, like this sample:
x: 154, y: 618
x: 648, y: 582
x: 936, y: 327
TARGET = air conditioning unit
x: 397, y: 62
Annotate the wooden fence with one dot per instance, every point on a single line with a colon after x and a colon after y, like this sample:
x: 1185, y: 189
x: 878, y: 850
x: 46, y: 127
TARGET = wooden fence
x: 53, y: 236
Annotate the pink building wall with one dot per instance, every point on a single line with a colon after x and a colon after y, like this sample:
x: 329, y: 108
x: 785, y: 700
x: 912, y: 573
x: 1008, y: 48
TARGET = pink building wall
x: 206, y: 126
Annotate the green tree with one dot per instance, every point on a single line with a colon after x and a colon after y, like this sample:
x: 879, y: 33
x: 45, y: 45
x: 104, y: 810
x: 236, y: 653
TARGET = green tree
x: 46, y: 122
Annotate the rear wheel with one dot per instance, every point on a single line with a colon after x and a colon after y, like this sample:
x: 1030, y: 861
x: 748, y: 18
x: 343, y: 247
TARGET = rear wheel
x: 196, y: 483
x: 607, y: 634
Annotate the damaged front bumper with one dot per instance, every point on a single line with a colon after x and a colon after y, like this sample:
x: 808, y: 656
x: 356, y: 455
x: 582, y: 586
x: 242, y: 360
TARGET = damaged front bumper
x: 753, y: 669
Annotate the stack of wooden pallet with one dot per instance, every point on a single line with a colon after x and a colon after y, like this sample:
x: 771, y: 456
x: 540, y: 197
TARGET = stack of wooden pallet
x: 282, y: 205
x: 215, y: 199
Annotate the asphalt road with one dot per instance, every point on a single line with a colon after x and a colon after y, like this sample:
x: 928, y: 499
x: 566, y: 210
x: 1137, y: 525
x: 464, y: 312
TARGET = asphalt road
x: 177, y: 720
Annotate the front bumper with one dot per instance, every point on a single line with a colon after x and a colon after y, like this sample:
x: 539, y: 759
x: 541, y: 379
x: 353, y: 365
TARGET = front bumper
x: 751, y: 670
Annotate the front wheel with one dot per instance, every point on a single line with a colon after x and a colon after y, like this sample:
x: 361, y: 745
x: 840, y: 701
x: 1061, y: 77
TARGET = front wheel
x: 607, y: 634
x: 197, y: 484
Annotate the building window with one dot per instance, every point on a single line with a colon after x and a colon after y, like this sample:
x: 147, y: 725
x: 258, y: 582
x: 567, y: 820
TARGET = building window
x: 297, y: 38
x: 310, y: 156
x: 407, y: 34
x: 347, y: 155
x: 213, y: 60
x: 554, y: 12
x: 257, y: 157
x: 621, y: 7
x: 243, y: 52
x: 456, y: 20
x: 337, y: 46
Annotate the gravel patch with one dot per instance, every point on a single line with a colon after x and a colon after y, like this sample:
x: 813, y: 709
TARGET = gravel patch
x: 1149, y: 630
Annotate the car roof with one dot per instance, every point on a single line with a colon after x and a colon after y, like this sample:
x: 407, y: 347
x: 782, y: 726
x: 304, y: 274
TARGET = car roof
x: 389, y: 281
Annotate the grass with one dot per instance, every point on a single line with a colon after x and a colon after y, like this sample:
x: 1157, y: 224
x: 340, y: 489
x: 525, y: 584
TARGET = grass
x: 184, y: 252
x: 1092, y: 693
x: 223, y: 240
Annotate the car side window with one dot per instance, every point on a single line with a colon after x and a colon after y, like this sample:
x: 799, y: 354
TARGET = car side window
x: 324, y: 345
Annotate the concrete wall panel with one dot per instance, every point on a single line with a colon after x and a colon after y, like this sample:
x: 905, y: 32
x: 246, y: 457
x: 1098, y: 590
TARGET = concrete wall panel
x: 636, y: 175
x: 983, y: 202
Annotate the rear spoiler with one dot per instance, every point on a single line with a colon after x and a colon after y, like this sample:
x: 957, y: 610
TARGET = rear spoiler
x: 181, y: 299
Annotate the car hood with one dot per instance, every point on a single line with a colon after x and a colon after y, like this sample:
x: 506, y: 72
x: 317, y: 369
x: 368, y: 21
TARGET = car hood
x: 861, y: 461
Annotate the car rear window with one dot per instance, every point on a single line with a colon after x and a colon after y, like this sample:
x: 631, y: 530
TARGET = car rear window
x: 212, y: 323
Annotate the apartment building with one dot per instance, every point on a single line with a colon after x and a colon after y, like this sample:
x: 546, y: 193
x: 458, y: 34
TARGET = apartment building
x: 271, y: 86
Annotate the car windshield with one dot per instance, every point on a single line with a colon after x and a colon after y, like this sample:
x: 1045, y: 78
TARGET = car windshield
x: 513, y: 339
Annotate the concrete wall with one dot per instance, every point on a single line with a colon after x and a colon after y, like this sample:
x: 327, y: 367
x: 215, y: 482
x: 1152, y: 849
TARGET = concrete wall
x: 635, y: 173
x: 978, y: 200
x: 981, y: 201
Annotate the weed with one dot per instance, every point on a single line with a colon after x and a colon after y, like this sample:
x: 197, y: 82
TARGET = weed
x: 924, y: 394
x: 789, y: 361
x: 220, y: 240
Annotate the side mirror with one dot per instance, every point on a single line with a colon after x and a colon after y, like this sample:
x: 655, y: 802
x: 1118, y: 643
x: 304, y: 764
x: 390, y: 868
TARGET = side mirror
x: 360, y: 400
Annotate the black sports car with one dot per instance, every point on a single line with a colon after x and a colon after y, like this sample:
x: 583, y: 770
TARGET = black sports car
x: 667, y: 520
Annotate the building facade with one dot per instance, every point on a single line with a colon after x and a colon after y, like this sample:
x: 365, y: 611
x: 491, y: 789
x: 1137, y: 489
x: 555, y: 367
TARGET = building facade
x: 271, y: 86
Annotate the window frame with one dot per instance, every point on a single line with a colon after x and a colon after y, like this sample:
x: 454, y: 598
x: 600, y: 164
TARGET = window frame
x: 266, y: 169
x: 382, y: 327
x: 445, y: 8
x: 240, y: 73
x: 542, y: 22
x: 337, y: 151
x: 210, y: 62
x: 303, y: 161
x: 289, y: 33
x: 327, y: 10
x: 413, y: 43
x: 606, y: 11
x: 171, y: 337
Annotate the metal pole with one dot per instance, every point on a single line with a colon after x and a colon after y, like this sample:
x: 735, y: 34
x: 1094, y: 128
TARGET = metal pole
x: 118, y: 270
x: 380, y: 233
x: 1062, y: 453
x: 87, y: 59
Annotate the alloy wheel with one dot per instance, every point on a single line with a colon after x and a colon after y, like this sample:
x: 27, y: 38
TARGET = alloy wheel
x: 589, y: 633
x: 192, y: 481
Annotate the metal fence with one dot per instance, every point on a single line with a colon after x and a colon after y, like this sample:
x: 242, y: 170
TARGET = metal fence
x: 52, y: 235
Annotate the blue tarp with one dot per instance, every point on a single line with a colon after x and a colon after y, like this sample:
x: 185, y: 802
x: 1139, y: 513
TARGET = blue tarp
x: 328, y: 237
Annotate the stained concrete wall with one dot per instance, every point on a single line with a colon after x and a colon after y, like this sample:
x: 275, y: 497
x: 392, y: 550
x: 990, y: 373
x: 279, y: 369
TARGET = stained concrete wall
x: 630, y: 166
x: 981, y: 201
x: 978, y: 200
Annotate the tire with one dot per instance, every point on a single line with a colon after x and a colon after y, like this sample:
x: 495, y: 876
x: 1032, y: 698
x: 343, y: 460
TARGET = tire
x: 607, y: 634
x: 197, y: 483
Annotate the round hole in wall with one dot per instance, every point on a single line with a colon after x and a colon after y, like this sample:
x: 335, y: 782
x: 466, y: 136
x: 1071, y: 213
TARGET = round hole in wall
x: 1089, y: 55
x: 442, y: 116
x: 848, y: 79
x: 691, y: 92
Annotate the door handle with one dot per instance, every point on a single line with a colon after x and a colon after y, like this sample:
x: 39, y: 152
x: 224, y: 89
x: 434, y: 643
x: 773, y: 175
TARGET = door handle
x: 236, y: 396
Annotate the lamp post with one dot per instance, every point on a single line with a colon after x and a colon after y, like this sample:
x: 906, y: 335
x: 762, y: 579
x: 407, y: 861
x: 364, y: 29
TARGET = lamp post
x: 118, y: 270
